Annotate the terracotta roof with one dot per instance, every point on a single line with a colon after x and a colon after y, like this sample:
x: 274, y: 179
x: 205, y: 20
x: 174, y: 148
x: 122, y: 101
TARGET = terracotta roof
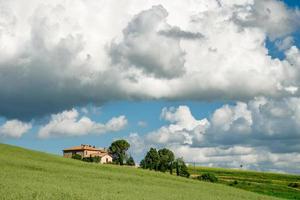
x: 84, y: 147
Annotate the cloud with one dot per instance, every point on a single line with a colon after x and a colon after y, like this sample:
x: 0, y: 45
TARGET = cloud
x: 285, y: 43
x: 183, y: 130
x: 232, y: 157
x: 176, y: 32
x: 261, y: 122
x: 69, y: 123
x: 261, y: 134
x: 137, y: 144
x: 274, y: 17
x: 159, y: 56
x: 60, y: 54
x: 142, y: 124
x: 14, y: 128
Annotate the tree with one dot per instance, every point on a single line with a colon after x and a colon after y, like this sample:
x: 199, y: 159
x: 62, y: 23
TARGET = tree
x: 118, y: 151
x: 181, y: 168
x: 166, y: 159
x: 161, y: 160
x: 143, y: 164
x: 151, y: 160
x: 130, y: 161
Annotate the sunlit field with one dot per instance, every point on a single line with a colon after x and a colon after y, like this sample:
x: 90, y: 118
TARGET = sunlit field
x: 273, y: 184
x: 27, y: 174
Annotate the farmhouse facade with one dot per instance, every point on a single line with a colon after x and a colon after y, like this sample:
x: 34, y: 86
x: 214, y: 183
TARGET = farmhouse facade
x: 86, y: 151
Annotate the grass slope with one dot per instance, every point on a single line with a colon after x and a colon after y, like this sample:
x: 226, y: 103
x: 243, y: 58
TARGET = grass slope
x: 27, y: 174
x: 273, y: 184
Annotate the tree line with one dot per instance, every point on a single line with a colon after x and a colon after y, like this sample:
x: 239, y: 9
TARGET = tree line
x: 162, y: 160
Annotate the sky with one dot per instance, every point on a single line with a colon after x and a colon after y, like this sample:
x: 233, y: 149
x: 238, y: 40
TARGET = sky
x: 215, y: 81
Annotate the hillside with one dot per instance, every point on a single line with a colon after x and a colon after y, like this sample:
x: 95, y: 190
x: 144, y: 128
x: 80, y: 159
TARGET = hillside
x: 27, y: 174
x: 273, y: 184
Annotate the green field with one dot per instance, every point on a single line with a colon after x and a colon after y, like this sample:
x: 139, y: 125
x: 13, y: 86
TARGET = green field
x: 273, y: 184
x: 27, y: 174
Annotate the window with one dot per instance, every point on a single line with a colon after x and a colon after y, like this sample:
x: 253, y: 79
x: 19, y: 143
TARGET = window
x: 106, y: 160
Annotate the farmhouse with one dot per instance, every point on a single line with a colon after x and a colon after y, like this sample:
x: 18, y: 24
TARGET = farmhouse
x: 86, y: 151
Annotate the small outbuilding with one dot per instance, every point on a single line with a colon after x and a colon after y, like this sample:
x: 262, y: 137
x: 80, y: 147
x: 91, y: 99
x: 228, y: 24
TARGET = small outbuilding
x: 86, y: 151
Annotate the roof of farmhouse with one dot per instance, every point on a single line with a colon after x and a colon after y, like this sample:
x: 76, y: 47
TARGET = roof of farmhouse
x: 84, y: 147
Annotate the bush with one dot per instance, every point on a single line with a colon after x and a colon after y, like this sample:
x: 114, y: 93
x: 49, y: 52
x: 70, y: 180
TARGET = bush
x: 294, y: 185
x: 76, y: 156
x: 208, y: 177
x: 96, y: 159
x: 235, y: 182
x: 87, y: 159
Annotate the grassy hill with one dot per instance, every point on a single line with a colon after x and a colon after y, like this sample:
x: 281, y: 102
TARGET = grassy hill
x: 27, y: 174
x: 273, y: 184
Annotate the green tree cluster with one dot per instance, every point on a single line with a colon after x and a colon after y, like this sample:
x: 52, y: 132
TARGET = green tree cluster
x: 151, y: 160
x: 164, y: 160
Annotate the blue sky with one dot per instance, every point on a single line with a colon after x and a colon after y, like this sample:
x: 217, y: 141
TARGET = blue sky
x: 146, y: 111
x: 292, y: 3
x: 215, y: 81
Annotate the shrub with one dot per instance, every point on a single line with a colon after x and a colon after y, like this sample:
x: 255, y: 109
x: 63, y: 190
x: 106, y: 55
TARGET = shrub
x: 294, y: 185
x: 96, y: 159
x: 87, y: 159
x: 235, y: 182
x: 76, y: 156
x: 208, y: 177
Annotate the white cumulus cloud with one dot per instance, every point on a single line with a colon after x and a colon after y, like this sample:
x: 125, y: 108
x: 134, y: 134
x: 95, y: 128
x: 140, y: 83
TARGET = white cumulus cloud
x: 69, y: 123
x: 14, y: 128
x: 262, y: 134
x: 184, y: 128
